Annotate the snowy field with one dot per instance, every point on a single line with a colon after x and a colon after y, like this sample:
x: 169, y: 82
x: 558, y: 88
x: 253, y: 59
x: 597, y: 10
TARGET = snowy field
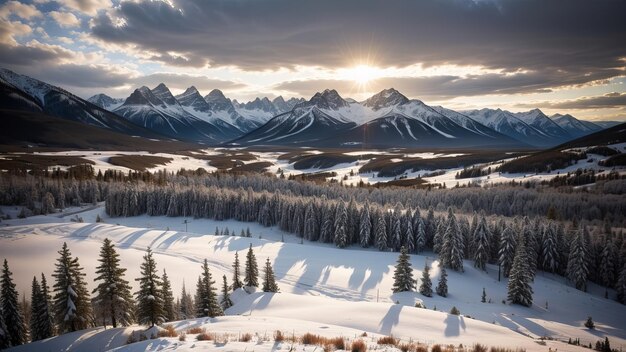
x: 345, y: 172
x: 324, y: 290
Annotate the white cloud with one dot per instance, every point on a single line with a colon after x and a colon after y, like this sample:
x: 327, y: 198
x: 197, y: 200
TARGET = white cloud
x: 65, y: 40
x: 65, y: 19
x: 10, y: 29
x: 25, y: 11
x: 89, y: 7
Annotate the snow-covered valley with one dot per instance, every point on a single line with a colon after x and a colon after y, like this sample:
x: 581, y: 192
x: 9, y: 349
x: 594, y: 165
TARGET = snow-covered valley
x: 324, y: 290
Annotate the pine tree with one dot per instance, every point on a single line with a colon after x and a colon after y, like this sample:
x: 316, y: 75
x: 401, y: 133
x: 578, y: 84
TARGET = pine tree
x: 426, y: 288
x: 169, y: 314
x: 35, y: 300
x: 46, y: 319
x: 186, y: 304
x: 9, y: 308
x: 206, y: 295
x: 550, y: 254
x: 481, y: 243
x: 150, y: 295
x: 341, y: 226
x: 577, y: 269
x: 41, y: 324
x: 236, y: 268
x: 442, y: 286
x: 252, y: 270
x: 226, y: 302
x: 451, y: 252
x: 365, y: 227
x: 620, y: 287
x: 269, y: 281
x: 380, y: 233
x: 113, y: 294
x: 519, y: 289
x: 607, y: 264
x: 483, y: 298
x: 72, y: 307
x: 396, y: 228
x: 311, y: 230
x: 420, y: 235
x: 403, y: 274
x: 507, y: 250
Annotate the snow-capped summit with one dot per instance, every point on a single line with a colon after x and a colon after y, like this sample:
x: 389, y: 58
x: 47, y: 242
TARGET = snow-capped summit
x: 192, y: 98
x: 142, y: 95
x: 106, y: 102
x: 328, y: 99
x: 218, y: 101
x: 263, y: 104
x: 574, y: 126
x: 386, y: 98
x: 544, y: 124
x: 162, y: 92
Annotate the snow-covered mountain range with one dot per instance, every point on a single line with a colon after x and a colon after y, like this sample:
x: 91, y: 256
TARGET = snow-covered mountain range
x: 387, y: 119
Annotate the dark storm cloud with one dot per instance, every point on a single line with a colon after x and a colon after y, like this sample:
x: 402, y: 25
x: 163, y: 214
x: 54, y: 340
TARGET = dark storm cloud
x: 557, y: 38
x: 21, y: 55
x: 611, y: 100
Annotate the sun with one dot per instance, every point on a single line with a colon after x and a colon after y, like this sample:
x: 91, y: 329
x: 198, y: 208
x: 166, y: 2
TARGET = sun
x: 362, y: 74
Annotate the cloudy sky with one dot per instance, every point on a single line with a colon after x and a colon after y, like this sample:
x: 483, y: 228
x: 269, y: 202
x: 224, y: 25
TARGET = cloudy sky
x: 558, y: 55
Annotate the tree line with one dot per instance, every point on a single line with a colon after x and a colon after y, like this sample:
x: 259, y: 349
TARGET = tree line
x: 69, y: 306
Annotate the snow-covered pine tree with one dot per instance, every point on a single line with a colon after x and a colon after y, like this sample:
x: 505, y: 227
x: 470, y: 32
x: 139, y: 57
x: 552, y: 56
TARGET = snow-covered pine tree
x: 380, y: 232
x: 426, y: 288
x: 531, y: 247
x: 607, y: 264
x: 150, y: 295
x: 341, y: 226
x: 442, y: 285
x: 438, y: 235
x: 519, y: 289
x: 113, y: 293
x: 226, y: 302
x: 577, y: 269
x: 269, y: 281
x: 403, y: 273
x: 311, y: 231
x: 620, y: 287
x: 41, y: 323
x: 451, y: 252
x: 408, y: 235
x: 9, y: 308
x: 252, y: 270
x: 466, y: 237
x: 169, y: 313
x: 365, y: 226
x: 420, y: 235
x: 481, y: 243
x: 396, y: 228
x: 72, y: 305
x: 507, y: 250
x: 483, y: 297
x: 431, y: 227
x: 206, y: 296
x: 236, y: 273
x: 327, y: 232
x: 550, y: 254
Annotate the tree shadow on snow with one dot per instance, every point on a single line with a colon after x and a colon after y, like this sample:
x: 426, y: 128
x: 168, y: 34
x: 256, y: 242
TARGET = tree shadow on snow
x: 454, y: 324
x: 391, y: 319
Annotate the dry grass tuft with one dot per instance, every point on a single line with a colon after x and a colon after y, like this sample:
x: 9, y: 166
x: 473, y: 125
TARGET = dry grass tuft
x: 387, y: 340
x: 358, y: 346
x: 168, y: 331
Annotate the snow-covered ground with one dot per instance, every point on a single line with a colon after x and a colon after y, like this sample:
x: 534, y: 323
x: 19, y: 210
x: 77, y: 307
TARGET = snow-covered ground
x: 346, y: 290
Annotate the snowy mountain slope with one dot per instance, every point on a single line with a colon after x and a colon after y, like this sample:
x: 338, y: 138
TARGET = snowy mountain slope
x: 30, y: 94
x: 222, y: 108
x: 106, y: 102
x: 575, y: 127
x: 158, y: 110
x: 544, y: 124
x: 347, y: 283
x: 306, y: 125
x: 510, y: 125
x: 468, y: 123
x: 194, y: 104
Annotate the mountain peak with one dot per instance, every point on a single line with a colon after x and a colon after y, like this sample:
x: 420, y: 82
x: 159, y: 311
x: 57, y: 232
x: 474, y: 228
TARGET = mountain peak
x: 141, y: 96
x: 328, y: 99
x: 162, y: 92
x: 215, y: 94
x: 387, y: 97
